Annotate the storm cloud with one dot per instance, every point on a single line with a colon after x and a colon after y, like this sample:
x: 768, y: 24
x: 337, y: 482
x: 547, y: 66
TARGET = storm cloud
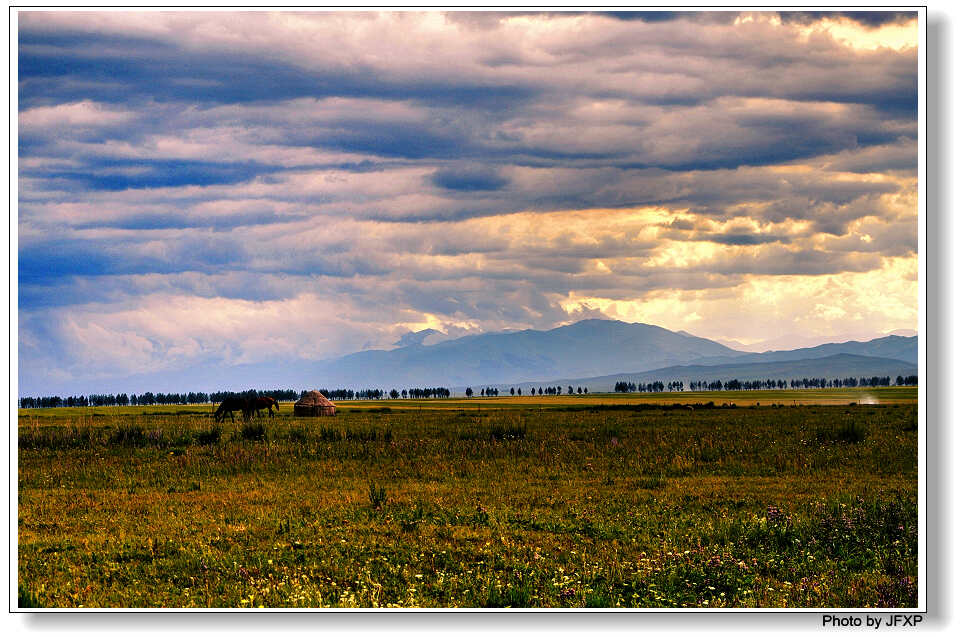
x: 455, y: 171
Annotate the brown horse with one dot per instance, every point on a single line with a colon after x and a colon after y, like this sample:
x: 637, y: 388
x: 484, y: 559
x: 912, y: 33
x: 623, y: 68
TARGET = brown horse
x: 264, y: 402
x: 232, y: 404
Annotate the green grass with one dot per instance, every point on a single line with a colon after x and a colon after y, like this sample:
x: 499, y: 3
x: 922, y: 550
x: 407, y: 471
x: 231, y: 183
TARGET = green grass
x: 564, y: 504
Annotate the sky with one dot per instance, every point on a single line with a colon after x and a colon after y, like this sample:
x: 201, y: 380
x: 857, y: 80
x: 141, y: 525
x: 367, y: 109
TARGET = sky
x: 205, y: 189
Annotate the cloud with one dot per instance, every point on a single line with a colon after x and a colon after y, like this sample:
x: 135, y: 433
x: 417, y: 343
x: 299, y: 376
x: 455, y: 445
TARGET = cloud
x: 460, y: 171
x: 865, y: 18
x: 468, y: 178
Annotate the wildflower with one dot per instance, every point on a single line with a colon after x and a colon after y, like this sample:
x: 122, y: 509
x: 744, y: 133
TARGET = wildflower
x: 774, y: 514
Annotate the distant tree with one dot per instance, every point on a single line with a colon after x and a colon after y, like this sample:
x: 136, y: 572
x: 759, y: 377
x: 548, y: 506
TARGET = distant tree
x: 512, y: 391
x: 469, y: 392
x: 394, y: 393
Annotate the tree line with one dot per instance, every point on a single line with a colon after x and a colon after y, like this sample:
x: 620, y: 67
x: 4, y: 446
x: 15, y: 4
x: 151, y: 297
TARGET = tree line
x: 378, y: 394
x: 740, y: 385
x: 195, y: 398
x: 149, y: 398
x: 540, y: 391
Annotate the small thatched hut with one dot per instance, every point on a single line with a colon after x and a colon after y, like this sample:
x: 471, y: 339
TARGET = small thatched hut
x: 313, y: 403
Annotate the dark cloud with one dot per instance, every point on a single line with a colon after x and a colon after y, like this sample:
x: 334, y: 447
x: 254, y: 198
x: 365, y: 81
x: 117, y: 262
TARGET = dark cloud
x: 136, y: 174
x: 645, y: 16
x: 866, y: 18
x: 60, y: 258
x: 469, y: 178
x: 166, y: 221
x: 681, y: 224
x: 741, y: 239
x: 69, y: 67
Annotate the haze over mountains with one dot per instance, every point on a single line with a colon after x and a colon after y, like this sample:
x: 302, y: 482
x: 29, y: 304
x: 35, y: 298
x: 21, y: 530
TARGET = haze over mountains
x: 598, y: 349
x: 588, y: 348
x: 593, y: 353
x: 900, y: 348
x: 836, y: 366
x: 790, y: 341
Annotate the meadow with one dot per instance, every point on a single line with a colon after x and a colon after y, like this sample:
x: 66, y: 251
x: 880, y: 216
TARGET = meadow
x: 598, y: 501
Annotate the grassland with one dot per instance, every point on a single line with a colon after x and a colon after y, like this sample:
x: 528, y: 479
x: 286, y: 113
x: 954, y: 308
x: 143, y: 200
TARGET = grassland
x: 785, y: 397
x: 557, y: 502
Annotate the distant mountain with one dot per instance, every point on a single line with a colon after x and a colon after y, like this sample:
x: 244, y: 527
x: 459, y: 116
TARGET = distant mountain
x: 791, y: 341
x: 587, y: 348
x: 835, y: 366
x: 903, y: 348
x: 590, y: 349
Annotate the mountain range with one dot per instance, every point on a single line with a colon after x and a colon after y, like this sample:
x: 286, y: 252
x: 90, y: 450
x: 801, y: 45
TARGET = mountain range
x: 595, y: 349
x: 594, y: 353
x: 588, y: 348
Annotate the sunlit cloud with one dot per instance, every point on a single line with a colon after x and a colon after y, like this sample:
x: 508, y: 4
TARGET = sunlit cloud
x: 899, y: 37
x: 815, y: 307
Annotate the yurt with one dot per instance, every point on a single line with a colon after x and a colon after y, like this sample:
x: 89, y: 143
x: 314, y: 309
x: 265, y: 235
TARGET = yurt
x: 313, y: 403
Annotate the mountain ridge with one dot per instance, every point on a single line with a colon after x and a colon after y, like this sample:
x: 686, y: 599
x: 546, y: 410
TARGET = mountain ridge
x: 902, y: 348
x: 586, y: 349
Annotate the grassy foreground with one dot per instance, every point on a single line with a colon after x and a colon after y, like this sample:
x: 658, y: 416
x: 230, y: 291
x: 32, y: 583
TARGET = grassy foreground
x: 574, y: 505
